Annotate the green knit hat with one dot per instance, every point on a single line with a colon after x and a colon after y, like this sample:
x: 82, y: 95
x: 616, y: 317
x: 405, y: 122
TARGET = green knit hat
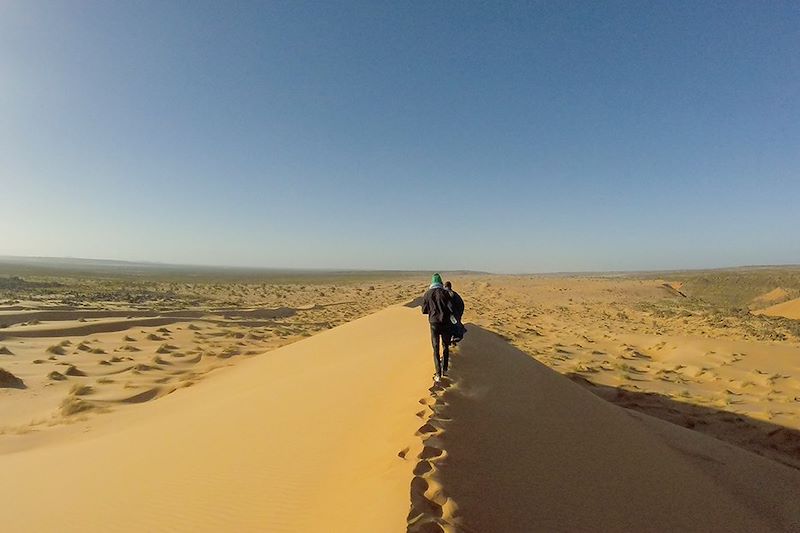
x: 436, y: 279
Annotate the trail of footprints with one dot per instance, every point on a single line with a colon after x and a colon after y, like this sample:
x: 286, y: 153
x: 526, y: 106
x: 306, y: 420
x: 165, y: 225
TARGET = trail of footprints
x: 431, y: 509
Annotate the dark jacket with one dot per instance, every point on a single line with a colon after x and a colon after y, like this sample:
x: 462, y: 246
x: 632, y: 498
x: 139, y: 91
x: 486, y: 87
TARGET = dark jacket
x: 436, y: 304
x: 458, y: 304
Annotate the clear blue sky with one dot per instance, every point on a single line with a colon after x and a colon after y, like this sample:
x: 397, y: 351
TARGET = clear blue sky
x: 524, y: 137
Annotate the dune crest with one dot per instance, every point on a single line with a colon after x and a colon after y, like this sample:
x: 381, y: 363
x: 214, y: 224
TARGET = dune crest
x: 304, y: 438
x: 342, y: 432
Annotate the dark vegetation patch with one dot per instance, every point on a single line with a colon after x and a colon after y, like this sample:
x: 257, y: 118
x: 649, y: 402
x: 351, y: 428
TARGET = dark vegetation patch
x: 14, y: 283
x: 760, y: 327
x: 736, y: 288
x: 9, y: 380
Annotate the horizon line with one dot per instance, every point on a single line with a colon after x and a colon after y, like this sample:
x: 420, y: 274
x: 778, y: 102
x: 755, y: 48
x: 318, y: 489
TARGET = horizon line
x: 156, y: 264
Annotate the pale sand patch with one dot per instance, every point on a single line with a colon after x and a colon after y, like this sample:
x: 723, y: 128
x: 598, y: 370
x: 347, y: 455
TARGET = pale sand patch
x: 774, y: 296
x: 790, y: 309
x: 339, y: 432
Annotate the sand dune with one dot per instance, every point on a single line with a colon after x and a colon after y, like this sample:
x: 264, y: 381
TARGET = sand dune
x: 304, y: 438
x: 790, y: 309
x: 75, y: 329
x: 774, y: 296
x: 75, y: 323
x: 48, y: 314
x: 340, y: 432
x: 730, y: 374
x: 522, y: 449
x: 113, y: 331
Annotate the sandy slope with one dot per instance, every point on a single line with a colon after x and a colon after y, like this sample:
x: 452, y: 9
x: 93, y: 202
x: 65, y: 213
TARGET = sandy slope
x: 790, y: 309
x: 734, y: 376
x: 326, y: 435
x: 772, y: 297
x: 108, y: 350
x: 304, y: 438
x: 520, y: 448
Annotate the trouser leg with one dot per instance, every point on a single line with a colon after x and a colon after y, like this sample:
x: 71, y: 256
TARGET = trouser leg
x: 435, y: 344
x: 445, y: 351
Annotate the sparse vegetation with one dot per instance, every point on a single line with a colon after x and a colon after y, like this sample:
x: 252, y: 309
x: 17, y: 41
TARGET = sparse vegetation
x: 56, y: 349
x: 735, y: 288
x: 81, y: 390
x: 72, y: 405
x: 9, y: 380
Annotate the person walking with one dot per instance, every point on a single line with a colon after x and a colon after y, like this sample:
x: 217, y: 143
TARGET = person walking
x: 458, y: 329
x: 437, y: 305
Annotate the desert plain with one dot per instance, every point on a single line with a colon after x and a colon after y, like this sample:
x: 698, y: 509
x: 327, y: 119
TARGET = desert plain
x: 149, y: 399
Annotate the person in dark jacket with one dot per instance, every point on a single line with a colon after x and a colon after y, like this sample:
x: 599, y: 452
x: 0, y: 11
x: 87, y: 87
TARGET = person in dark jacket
x: 458, y: 329
x: 437, y: 305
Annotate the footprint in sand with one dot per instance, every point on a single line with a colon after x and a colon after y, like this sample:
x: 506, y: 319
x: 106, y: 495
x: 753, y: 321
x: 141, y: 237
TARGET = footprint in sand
x: 421, y: 506
x: 422, y: 468
x: 429, y: 453
x: 427, y: 429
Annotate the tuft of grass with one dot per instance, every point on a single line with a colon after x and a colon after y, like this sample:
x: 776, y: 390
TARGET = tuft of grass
x: 81, y: 390
x: 74, y: 371
x: 56, y: 349
x: 166, y: 348
x: 72, y: 405
x: 7, y: 379
x: 56, y: 376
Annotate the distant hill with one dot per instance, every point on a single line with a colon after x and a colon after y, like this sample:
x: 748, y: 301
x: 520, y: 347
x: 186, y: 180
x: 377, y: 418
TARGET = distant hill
x: 69, y: 267
x: 743, y: 288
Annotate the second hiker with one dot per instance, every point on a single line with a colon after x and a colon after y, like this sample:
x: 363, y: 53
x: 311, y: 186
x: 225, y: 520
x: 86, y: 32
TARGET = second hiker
x: 458, y: 330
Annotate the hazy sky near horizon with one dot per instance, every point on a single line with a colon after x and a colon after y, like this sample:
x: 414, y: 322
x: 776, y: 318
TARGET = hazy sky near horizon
x: 501, y: 136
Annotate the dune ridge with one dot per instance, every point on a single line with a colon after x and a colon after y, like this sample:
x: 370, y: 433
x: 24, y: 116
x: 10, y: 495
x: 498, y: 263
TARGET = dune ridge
x: 343, y: 432
x: 304, y: 438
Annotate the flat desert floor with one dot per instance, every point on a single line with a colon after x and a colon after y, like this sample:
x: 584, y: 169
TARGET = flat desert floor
x: 575, y: 403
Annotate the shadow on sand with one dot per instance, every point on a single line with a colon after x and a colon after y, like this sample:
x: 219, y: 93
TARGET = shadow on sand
x: 511, y: 445
x: 776, y: 442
